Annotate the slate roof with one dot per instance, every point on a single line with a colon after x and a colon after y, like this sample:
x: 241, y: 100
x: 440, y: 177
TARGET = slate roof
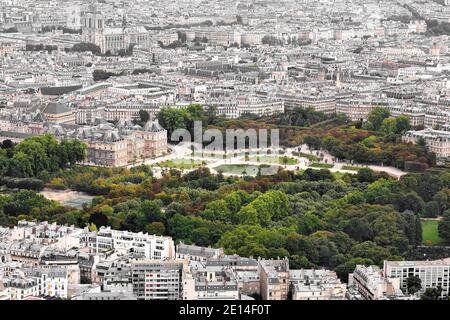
x: 56, y: 108
x: 153, y: 126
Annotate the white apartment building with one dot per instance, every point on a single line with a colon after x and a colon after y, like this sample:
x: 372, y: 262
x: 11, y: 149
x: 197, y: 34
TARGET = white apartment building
x: 214, y: 282
x: 61, y: 237
x: 320, y: 103
x: 431, y: 273
x: 415, y: 115
x: 158, y: 280
x: 358, y: 109
x: 18, y: 287
x: 311, y: 284
x: 437, y: 141
x: 369, y: 284
x: 236, y: 106
x: 124, y: 242
x: 217, y: 290
x: 52, y: 282
x: 436, y: 118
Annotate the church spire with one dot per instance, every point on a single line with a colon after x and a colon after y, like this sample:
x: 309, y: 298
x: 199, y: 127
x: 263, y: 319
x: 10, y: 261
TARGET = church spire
x: 124, y: 17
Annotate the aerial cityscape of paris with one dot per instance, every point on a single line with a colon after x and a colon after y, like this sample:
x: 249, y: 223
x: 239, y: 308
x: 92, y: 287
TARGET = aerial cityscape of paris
x: 243, y: 151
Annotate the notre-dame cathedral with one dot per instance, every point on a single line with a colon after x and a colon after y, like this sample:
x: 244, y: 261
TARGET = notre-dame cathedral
x: 111, y: 39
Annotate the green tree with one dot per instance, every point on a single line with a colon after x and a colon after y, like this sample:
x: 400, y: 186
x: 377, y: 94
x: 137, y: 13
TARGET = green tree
x: 156, y: 227
x: 369, y: 250
x: 247, y: 215
x: 389, y: 126
x: 365, y: 175
x: 432, y: 293
x: 313, y: 142
x: 344, y: 269
x: 217, y: 210
x: 309, y: 223
x: 144, y: 116
x: 20, y: 165
x: 402, y: 124
x: 413, y: 284
x: 152, y: 212
x: 174, y: 118
x: 99, y: 219
x: 444, y: 226
x: 376, y: 117
x: 36, y: 152
x: 431, y: 209
x: 359, y: 229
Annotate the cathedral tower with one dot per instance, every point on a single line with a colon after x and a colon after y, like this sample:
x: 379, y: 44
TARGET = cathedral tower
x: 92, y: 26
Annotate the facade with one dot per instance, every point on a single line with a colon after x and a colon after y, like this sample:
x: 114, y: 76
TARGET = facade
x: 416, y: 115
x: 431, y: 273
x: 19, y: 287
x: 358, y: 109
x: 221, y: 288
x: 368, y: 283
x: 437, y: 141
x: 123, y: 242
x: 52, y: 282
x: 111, y: 39
x: 234, y: 107
x: 320, y: 103
x: 436, y: 118
x: 157, y: 280
x: 196, y: 253
x: 311, y: 284
x: 274, y: 279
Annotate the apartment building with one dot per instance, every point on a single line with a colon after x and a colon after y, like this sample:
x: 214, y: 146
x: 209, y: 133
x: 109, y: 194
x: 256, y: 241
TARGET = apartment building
x: 158, y: 279
x: 436, y: 118
x: 416, y: 115
x: 368, y: 283
x: 214, y: 282
x: 431, y: 273
x: 312, y: 284
x: 124, y: 242
x: 358, y: 109
x: 437, y: 141
x: 196, y: 253
x: 18, y: 287
x: 52, y: 282
x: 234, y: 107
x: 274, y: 279
x: 320, y: 103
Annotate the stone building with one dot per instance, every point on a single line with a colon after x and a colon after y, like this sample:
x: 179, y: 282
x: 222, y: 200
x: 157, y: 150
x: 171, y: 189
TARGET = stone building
x: 111, y: 39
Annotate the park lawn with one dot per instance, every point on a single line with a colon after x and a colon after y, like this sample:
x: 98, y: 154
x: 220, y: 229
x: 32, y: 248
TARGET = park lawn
x: 352, y: 168
x: 243, y: 169
x: 430, y: 235
x: 182, y: 163
x: 310, y: 157
x: 274, y: 159
x: 321, y: 165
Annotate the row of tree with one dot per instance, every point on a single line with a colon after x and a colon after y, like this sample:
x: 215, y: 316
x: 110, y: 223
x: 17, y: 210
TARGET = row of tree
x: 39, y: 156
